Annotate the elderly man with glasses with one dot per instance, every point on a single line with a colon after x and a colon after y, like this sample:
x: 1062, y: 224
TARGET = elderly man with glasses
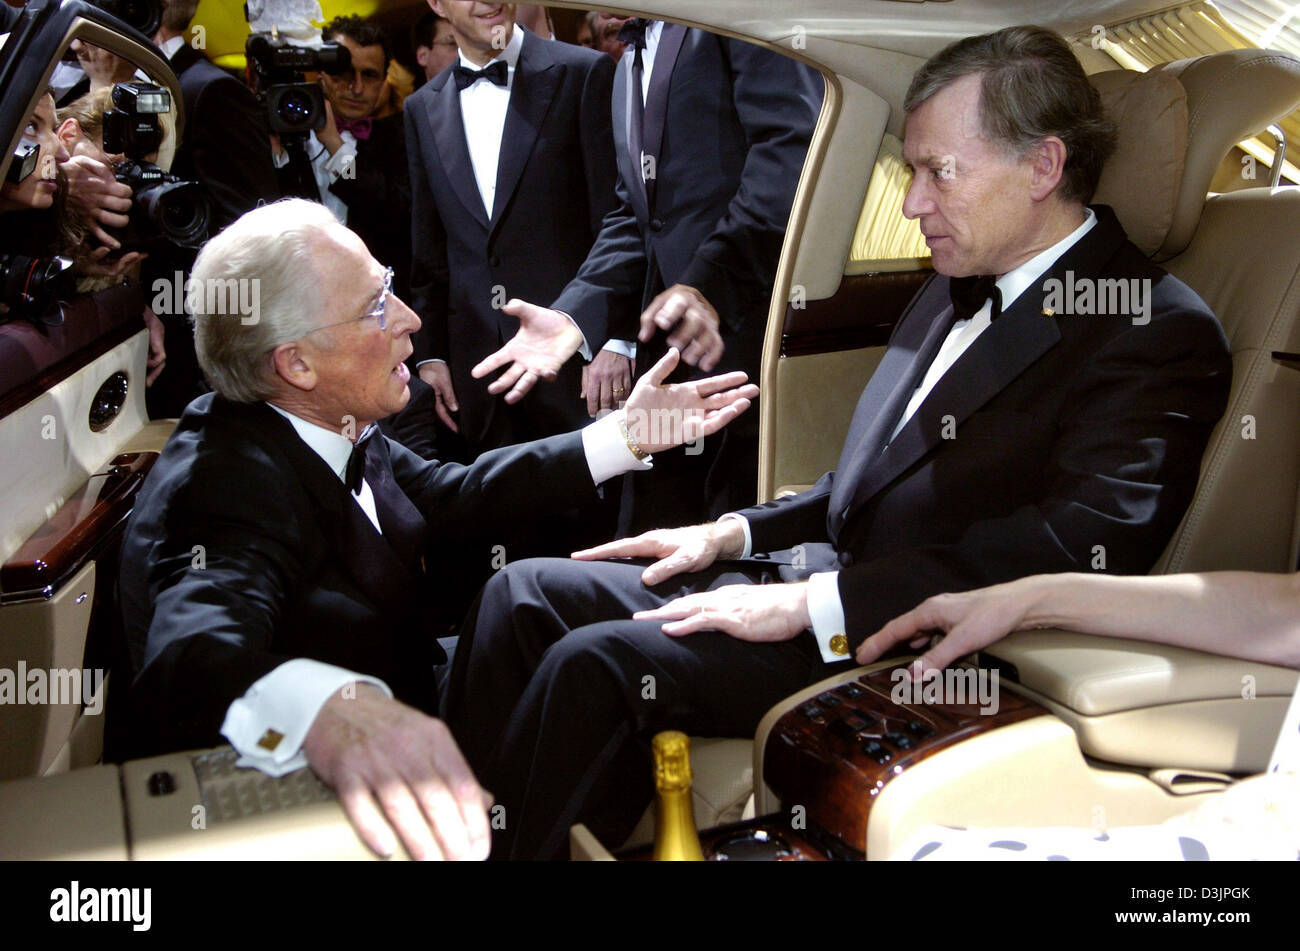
x: 273, y: 586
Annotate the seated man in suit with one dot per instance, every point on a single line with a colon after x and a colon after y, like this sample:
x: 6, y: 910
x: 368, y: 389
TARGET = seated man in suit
x: 999, y: 437
x: 272, y: 582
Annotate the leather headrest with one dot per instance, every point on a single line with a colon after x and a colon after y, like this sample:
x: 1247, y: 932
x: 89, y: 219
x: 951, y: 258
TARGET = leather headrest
x: 1176, y: 123
x: 1141, y: 180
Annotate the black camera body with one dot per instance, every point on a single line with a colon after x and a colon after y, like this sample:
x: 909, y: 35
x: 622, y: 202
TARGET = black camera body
x: 294, y: 106
x: 29, y: 286
x: 144, y: 15
x: 164, y: 209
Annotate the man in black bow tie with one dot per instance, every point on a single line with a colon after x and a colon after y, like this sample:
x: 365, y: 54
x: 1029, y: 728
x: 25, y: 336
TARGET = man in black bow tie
x: 512, y: 170
x: 273, y: 586
x: 997, y: 438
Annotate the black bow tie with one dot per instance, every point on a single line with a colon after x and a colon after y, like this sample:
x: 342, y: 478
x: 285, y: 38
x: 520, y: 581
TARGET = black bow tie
x: 970, y: 293
x: 633, y: 32
x: 356, y: 469
x: 495, y: 72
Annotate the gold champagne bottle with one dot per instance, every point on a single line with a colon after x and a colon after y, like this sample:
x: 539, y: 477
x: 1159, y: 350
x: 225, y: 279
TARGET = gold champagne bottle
x: 675, y: 837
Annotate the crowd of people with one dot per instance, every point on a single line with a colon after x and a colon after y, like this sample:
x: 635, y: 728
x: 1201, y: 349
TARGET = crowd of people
x: 538, y: 235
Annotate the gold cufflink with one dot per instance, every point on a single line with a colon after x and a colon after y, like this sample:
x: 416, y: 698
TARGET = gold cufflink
x: 840, y: 645
x: 270, y: 740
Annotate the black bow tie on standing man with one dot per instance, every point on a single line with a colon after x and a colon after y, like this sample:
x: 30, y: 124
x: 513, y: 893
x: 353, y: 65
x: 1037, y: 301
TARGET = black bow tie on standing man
x: 496, y: 72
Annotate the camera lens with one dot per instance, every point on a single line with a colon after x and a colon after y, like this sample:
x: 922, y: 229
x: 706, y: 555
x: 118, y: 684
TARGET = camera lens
x: 296, y: 108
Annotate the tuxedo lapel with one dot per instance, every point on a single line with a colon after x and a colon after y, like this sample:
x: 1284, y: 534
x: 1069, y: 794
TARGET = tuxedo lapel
x: 656, y: 100
x: 369, y: 559
x: 886, y: 394
x: 1011, y: 344
x: 449, y: 139
x: 624, y: 114
x: 536, y: 79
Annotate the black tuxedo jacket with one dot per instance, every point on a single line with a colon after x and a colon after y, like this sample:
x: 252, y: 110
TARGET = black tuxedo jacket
x: 736, y: 123
x: 245, y: 550
x: 1076, y: 447
x: 379, y: 198
x: 555, y: 183
x: 225, y: 144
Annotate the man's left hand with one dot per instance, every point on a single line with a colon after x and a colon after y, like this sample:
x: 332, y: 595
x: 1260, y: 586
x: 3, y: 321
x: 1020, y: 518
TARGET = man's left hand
x: 749, y: 612
x: 606, y: 381
x: 691, y: 324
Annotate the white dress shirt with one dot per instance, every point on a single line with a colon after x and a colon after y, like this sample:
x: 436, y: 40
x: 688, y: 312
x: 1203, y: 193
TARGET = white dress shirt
x: 328, y: 169
x: 825, y: 609
x: 269, y: 723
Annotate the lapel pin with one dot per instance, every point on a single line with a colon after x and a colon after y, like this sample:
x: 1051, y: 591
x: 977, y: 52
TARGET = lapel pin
x: 1049, y: 312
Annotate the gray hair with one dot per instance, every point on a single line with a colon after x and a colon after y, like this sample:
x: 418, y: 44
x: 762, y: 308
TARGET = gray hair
x: 265, y: 256
x: 1031, y: 86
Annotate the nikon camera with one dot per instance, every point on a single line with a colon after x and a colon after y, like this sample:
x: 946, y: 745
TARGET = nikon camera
x: 164, y: 209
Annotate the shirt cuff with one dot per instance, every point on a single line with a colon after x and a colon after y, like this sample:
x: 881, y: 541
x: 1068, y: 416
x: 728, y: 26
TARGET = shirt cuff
x: 744, y: 527
x: 269, y: 723
x: 585, y: 349
x: 342, y: 164
x: 608, y: 453
x: 827, y: 614
x: 624, y: 348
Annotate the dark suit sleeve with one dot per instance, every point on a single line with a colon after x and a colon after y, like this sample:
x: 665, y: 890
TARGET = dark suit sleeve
x: 500, y: 491
x: 219, y: 585
x: 777, y: 101
x: 785, y: 522
x: 231, y: 150
x: 429, y: 278
x: 598, y: 142
x: 1121, y: 472
x: 371, y: 185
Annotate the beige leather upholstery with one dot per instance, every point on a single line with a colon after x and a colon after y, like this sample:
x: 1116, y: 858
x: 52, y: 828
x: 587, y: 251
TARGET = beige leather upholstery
x: 1142, y: 179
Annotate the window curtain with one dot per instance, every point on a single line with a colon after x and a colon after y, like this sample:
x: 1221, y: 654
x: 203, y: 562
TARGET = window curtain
x: 884, y: 239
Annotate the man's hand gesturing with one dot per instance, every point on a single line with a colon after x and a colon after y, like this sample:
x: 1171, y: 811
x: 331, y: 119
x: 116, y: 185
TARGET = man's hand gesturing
x: 690, y: 322
x: 665, y: 415
x: 393, y: 767
x: 545, y: 341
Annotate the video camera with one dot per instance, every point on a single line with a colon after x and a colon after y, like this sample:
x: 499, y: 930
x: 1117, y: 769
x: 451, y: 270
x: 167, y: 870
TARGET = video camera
x: 294, y: 106
x: 164, y: 209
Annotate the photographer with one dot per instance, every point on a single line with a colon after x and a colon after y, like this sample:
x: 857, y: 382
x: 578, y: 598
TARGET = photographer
x: 225, y: 146
x: 39, y: 223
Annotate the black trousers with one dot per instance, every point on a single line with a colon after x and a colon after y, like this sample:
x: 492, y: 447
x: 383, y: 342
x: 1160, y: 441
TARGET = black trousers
x: 555, y: 692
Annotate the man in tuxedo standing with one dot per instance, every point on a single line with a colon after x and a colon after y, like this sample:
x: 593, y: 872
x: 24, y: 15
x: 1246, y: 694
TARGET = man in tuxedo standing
x: 272, y: 583
x: 711, y: 135
x: 512, y: 170
x: 999, y: 437
x: 225, y: 147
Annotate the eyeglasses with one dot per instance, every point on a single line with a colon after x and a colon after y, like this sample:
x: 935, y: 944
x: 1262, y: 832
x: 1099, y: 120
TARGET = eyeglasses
x: 376, y: 312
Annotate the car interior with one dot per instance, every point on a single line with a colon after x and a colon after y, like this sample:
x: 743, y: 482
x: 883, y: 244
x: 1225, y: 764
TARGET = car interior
x: 1092, y: 730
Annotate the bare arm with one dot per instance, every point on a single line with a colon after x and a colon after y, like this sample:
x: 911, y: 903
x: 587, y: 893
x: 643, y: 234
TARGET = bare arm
x: 1251, y: 615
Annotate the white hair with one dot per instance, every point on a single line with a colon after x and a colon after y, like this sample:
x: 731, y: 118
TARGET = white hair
x: 266, y: 256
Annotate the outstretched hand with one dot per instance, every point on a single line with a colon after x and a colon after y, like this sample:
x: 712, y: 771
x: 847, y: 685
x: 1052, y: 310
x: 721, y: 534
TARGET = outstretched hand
x: 665, y: 415
x: 971, y: 620
x: 544, y: 343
